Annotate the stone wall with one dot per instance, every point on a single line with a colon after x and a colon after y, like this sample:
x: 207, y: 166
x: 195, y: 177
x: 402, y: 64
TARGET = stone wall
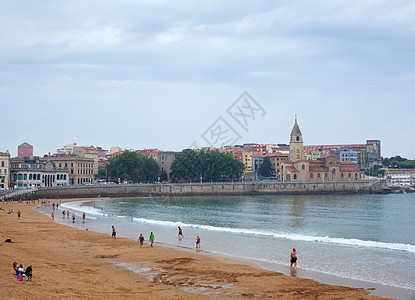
x: 240, y: 188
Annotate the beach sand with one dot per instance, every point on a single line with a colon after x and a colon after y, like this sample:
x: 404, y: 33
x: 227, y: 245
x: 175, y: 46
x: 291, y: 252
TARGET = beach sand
x: 79, y: 264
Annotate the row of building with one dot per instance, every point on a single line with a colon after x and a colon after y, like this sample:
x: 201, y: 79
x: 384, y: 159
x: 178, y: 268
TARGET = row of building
x: 73, y: 164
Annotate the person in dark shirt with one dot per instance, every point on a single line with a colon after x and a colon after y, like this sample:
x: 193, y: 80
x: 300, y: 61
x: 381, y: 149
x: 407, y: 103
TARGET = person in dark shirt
x: 28, y: 272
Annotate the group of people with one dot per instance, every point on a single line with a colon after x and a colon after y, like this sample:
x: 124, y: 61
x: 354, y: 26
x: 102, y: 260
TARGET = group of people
x: 151, y: 238
x: 20, y: 273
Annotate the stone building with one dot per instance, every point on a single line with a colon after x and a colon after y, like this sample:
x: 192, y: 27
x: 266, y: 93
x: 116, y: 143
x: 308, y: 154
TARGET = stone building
x: 164, y: 160
x: 81, y: 169
x: 4, y: 170
x: 327, y: 168
x: 32, y: 172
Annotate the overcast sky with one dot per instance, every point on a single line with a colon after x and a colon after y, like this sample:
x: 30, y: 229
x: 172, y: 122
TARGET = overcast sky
x: 162, y: 74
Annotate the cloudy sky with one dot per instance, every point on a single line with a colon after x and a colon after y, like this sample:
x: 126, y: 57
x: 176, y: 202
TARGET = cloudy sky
x: 163, y: 74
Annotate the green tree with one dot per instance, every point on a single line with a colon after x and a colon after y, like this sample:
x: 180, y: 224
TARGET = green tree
x: 190, y: 165
x: 163, y: 176
x: 132, y: 166
x: 265, y: 169
x: 398, y: 162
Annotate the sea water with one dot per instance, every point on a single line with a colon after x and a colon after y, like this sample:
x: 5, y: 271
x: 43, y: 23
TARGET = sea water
x: 363, y: 237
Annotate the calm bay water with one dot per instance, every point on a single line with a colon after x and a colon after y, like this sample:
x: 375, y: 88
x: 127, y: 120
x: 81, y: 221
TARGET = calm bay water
x: 363, y: 237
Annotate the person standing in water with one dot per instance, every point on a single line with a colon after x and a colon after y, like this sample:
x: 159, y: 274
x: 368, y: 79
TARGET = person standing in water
x: 73, y: 218
x: 198, y: 242
x: 83, y: 217
x: 114, y: 233
x: 180, y: 235
x: 293, y: 259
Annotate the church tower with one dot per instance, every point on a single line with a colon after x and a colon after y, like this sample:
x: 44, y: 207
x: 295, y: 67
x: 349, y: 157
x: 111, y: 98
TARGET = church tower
x: 296, y: 143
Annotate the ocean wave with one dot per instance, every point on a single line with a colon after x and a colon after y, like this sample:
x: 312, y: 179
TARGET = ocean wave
x: 289, y: 236
x: 86, y: 209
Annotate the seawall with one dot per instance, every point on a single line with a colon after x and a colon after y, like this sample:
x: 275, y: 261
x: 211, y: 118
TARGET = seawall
x: 188, y: 189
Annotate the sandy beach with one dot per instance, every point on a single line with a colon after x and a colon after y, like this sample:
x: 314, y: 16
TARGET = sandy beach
x: 81, y: 264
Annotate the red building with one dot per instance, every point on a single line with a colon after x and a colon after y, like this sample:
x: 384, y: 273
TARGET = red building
x: 24, y: 149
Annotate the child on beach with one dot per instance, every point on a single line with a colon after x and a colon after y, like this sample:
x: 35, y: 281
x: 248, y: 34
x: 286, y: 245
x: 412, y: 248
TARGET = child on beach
x: 198, y: 242
x: 52, y: 215
x: 141, y: 240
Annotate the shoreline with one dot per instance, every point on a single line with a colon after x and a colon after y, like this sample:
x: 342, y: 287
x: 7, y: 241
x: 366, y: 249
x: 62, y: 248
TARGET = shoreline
x: 374, y: 288
x: 212, y: 280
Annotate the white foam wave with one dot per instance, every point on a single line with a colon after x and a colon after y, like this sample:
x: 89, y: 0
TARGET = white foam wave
x: 86, y: 209
x: 294, y: 237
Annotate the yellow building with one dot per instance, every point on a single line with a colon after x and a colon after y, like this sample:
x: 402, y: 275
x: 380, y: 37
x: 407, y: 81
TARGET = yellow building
x: 4, y: 169
x: 248, y: 161
x: 81, y: 169
x: 276, y: 162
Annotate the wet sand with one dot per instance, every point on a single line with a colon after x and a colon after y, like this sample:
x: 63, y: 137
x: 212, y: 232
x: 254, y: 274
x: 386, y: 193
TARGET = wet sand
x: 72, y: 263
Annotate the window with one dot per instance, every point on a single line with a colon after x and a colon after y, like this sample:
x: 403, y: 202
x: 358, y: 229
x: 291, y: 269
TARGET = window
x: 349, y: 175
x: 341, y: 175
x: 303, y: 167
x: 311, y: 175
x: 20, y: 176
x: 325, y: 175
x: 71, y: 165
x: 318, y: 175
x: 30, y: 176
x: 2, y: 163
x: 295, y: 176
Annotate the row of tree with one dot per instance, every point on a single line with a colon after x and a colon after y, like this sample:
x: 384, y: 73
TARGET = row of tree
x: 398, y: 162
x: 189, y: 165
x: 133, y: 167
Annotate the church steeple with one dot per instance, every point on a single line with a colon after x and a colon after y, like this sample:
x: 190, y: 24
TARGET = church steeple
x: 296, y: 130
x: 296, y: 143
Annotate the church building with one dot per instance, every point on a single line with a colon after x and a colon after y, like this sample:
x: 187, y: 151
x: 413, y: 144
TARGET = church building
x: 326, y: 168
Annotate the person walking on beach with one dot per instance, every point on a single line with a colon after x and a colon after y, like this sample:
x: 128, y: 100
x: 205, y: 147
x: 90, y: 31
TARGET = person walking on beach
x: 151, y: 239
x: 141, y: 240
x: 73, y: 218
x: 197, y: 242
x: 18, y: 214
x: 180, y: 235
x: 293, y: 259
x: 83, y: 218
x: 114, y: 233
